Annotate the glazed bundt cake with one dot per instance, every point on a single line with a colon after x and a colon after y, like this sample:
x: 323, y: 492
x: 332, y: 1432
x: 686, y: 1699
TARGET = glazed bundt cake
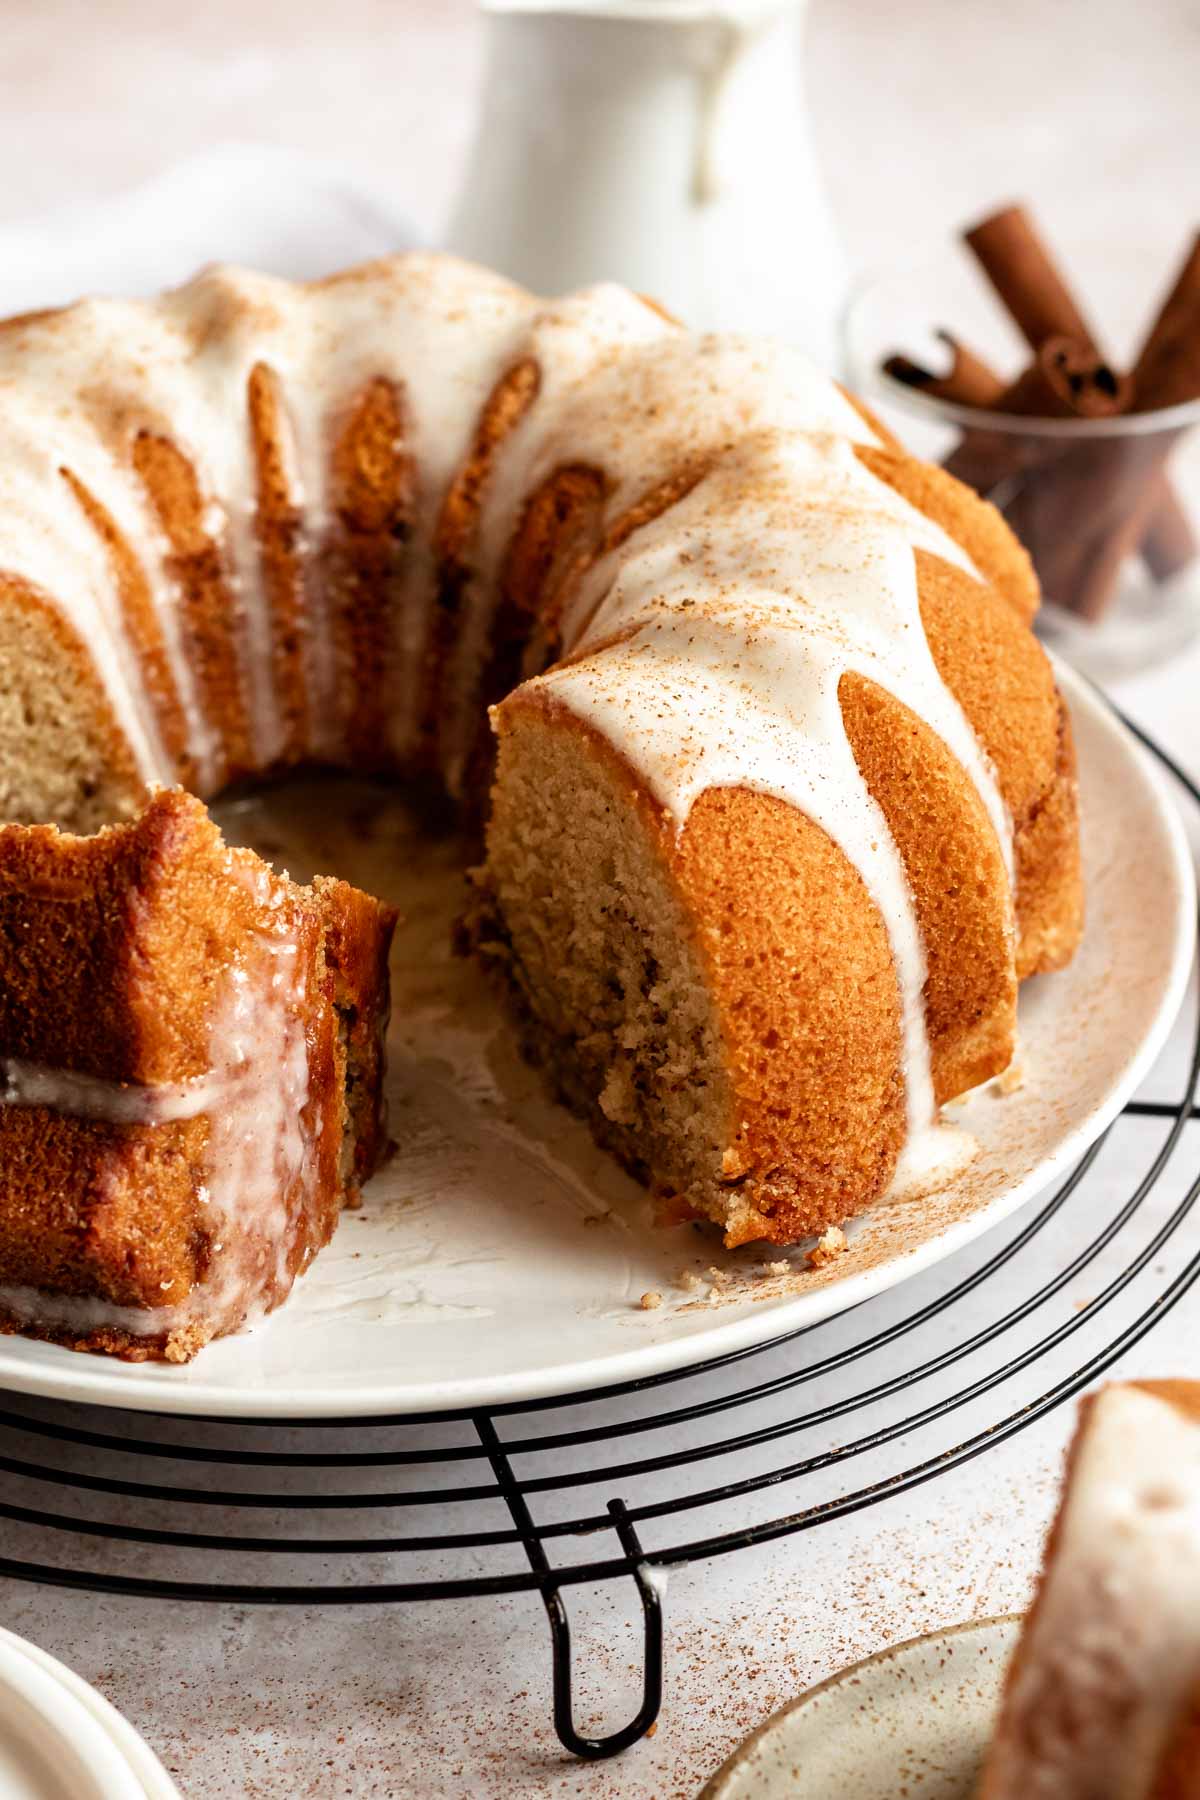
x: 1102, y: 1701
x: 783, y: 803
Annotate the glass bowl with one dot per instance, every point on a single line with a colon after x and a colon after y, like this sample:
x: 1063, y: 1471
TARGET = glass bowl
x: 1108, y: 508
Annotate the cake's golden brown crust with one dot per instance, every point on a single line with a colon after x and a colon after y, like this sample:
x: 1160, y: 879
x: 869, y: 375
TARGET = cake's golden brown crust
x: 660, y: 311
x: 279, y: 522
x: 1178, y: 1392
x: 208, y: 617
x: 453, y: 537
x: 128, y: 917
x: 643, y: 511
x: 560, y: 528
x: 999, y: 675
x: 1179, y: 1776
x: 1001, y: 678
x: 103, y: 1210
x: 144, y: 630
x: 955, y: 867
x: 972, y: 522
x: 374, y: 485
x: 804, y: 985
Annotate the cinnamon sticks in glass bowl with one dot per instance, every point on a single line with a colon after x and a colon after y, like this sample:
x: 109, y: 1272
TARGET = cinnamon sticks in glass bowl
x: 1084, y: 442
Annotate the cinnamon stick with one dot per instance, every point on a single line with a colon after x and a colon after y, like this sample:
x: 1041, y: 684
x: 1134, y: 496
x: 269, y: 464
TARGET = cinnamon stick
x: 1024, y: 275
x: 1169, y: 362
x: 1065, y: 380
x: 1167, y: 372
x: 1022, y: 271
x: 1112, y: 516
x: 967, y: 382
x: 1082, y: 516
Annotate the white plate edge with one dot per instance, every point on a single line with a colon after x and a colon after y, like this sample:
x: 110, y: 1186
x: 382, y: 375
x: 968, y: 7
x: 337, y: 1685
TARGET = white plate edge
x: 85, y: 1737
x: 127, y: 1739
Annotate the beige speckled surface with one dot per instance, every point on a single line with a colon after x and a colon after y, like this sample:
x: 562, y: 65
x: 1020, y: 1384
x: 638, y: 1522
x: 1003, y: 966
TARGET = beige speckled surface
x: 924, y: 113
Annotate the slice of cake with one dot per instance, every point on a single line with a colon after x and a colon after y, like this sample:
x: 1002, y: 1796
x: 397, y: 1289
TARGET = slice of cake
x: 1103, y: 1698
x: 191, y: 1058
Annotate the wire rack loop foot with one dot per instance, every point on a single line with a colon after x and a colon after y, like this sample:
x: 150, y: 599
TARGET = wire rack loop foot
x: 649, y: 1586
x: 649, y: 1591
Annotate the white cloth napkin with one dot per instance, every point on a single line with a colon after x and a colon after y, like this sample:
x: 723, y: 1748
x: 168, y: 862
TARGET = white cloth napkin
x: 275, y: 210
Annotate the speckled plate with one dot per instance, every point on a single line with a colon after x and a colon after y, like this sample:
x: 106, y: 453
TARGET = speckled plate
x: 501, y: 1257
x: 914, y: 1720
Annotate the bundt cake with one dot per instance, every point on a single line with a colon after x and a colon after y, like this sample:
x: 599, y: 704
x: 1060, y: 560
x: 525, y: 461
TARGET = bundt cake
x: 1102, y: 1700
x: 784, y: 799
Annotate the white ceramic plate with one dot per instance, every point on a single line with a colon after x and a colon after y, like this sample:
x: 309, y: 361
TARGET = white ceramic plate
x: 141, y: 1771
x: 53, y: 1744
x: 500, y: 1257
x: 915, y: 1720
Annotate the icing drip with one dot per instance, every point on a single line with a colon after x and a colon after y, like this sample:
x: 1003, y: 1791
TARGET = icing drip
x: 572, y: 341
x: 1110, y: 1663
x: 444, y: 332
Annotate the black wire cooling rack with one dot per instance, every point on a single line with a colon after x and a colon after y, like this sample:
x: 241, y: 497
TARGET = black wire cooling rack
x: 625, y: 1483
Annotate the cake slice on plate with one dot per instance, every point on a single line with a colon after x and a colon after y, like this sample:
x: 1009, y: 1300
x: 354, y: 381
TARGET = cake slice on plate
x: 1103, y: 1698
x: 191, y: 1082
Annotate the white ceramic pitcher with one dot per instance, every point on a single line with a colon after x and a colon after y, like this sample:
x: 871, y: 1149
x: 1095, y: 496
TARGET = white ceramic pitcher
x: 662, y: 143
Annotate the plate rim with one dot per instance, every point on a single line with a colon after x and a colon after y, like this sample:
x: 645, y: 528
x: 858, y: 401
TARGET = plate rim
x: 718, y: 1786
x: 127, y: 1739
x: 100, y: 1382
x: 81, y: 1733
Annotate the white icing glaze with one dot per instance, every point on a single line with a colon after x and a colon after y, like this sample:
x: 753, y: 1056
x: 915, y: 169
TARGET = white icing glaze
x: 1111, y: 1659
x: 113, y: 1102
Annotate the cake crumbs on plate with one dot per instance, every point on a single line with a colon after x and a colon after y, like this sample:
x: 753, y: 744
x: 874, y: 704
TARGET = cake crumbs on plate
x: 1010, y: 1080
x: 830, y: 1244
x: 688, y: 1279
x: 651, y: 1300
x: 779, y: 1268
